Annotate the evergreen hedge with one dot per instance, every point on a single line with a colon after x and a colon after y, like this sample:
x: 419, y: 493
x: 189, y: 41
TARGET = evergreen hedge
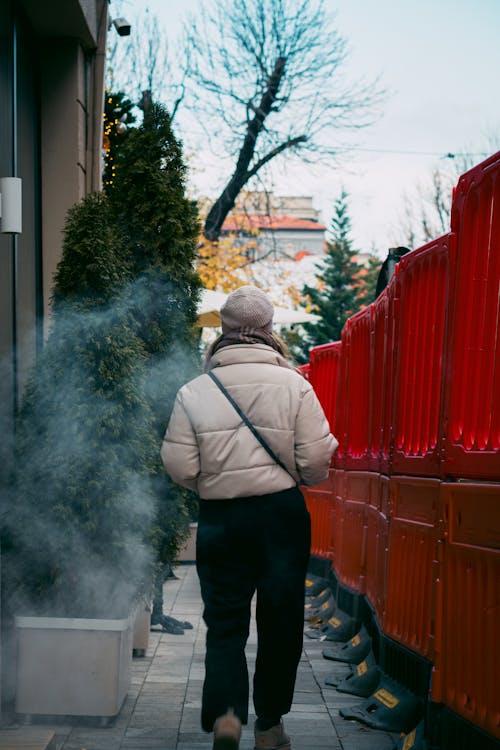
x: 94, y: 511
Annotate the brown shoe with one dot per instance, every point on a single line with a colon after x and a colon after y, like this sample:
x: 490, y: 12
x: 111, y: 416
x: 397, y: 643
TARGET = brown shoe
x: 272, y: 739
x: 227, y: 732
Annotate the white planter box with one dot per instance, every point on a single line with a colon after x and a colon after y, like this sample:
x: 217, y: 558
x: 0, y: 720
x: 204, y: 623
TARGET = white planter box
x: 142, y: 626
x: 72, y: 667
x: 187, y: 553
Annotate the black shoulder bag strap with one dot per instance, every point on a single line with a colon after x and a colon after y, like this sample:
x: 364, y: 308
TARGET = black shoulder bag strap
x: 249, y: 424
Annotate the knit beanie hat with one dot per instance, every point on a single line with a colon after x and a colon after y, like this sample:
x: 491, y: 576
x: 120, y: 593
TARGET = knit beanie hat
x: 247, y: 307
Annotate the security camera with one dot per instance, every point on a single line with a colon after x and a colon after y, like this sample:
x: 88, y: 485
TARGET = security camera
x: 122, y: 26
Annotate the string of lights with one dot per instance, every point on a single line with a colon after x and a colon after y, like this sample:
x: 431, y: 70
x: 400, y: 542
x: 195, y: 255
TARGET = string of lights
x: 116, y: 116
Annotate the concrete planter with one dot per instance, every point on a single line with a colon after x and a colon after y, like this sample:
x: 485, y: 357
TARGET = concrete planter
x: 187, y: 553
x: 142, y: 626
x: 72, y: 667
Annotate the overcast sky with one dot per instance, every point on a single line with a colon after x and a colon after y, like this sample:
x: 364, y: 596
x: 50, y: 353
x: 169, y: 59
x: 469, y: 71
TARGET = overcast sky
x: 440, y: 61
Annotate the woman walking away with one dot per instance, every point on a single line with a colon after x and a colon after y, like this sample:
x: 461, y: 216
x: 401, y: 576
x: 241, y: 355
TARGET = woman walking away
x: 244, y: 435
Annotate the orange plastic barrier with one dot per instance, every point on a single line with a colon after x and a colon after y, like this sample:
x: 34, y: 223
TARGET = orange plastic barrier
x: 377, y: 540
x: 320, y: 504
x: 353, y: 495
x: 421, y: 295
x: 412, y: 565
x: 472, y: 383
x: 338, y: 500
x: 355, y: 389
x: 467, y: 664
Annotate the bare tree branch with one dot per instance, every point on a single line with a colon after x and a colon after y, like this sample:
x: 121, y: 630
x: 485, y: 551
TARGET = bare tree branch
x: 427, y: 211
x: 225, y: 202
x: 144, y: 62
x: 289, y: 144
x: 266, y: 78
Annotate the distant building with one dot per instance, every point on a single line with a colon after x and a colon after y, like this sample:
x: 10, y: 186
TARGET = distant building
x: 285, y: 226
x: 263, y: 202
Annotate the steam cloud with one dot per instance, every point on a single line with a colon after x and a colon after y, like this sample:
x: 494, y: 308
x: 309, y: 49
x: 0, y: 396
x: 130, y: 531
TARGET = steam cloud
x: 89, y: 495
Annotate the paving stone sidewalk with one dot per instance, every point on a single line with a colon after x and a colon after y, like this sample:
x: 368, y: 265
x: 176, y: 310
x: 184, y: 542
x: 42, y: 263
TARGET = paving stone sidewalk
x: 162, y: 709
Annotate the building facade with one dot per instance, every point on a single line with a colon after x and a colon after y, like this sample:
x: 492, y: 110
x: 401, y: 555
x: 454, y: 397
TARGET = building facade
x: 51, y: 104
x: 52, y: 61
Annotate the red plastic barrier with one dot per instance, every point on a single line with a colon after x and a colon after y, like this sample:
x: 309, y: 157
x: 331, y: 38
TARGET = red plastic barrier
x: 304, y: 370
x: 421, y: 296
x: 418, y: 400
x: 412, y: 563
x: 380, y: 384
x: 324, y: 377
x: 353, y: 495
x: 356, y: 375
x: 472, y: 384
x: 377, y: 540
x: 467, y: 664
x: 320, y: 504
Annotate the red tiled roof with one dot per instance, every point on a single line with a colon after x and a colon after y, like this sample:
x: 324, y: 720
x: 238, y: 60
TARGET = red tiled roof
x: 249, y: 222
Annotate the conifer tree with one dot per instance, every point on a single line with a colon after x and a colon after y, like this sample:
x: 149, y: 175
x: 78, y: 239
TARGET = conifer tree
x: 368, y: 280
x: 161, y: 226
x: 335, y: 297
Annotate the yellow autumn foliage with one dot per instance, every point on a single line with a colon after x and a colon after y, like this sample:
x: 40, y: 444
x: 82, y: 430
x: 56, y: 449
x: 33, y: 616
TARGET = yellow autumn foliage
x: 224, y: 265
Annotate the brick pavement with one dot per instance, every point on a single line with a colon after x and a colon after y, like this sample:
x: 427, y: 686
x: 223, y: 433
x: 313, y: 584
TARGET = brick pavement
x: 162, y: 709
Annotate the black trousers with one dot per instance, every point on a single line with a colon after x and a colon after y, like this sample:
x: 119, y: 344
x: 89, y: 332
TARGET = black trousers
x: 246, y: 545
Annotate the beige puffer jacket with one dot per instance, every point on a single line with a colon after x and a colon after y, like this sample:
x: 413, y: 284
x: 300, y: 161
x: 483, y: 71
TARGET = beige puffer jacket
x: 209, y: 449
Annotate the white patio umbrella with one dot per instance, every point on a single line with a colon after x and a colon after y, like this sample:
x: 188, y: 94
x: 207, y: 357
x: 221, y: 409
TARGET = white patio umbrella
x: 211, y: 303
x: 284, y: 316
x: 209, y: 308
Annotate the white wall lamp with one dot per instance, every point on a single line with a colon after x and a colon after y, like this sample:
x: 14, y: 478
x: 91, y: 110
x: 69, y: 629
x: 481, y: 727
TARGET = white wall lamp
x: 11, y: 213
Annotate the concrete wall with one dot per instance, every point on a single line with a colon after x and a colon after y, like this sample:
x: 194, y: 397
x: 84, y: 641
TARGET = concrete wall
x: 72, y: 100
x: 63, y: 147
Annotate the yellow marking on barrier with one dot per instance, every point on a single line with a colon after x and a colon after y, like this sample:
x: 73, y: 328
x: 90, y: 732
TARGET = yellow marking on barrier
x: 355, y: 640
x: 362, y: 668
x: 335, y: 622
x: 310, y: 604
x: 325, y: 605
x: 410, y: 740
x: 309, y: 583
x: 388, y: 699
